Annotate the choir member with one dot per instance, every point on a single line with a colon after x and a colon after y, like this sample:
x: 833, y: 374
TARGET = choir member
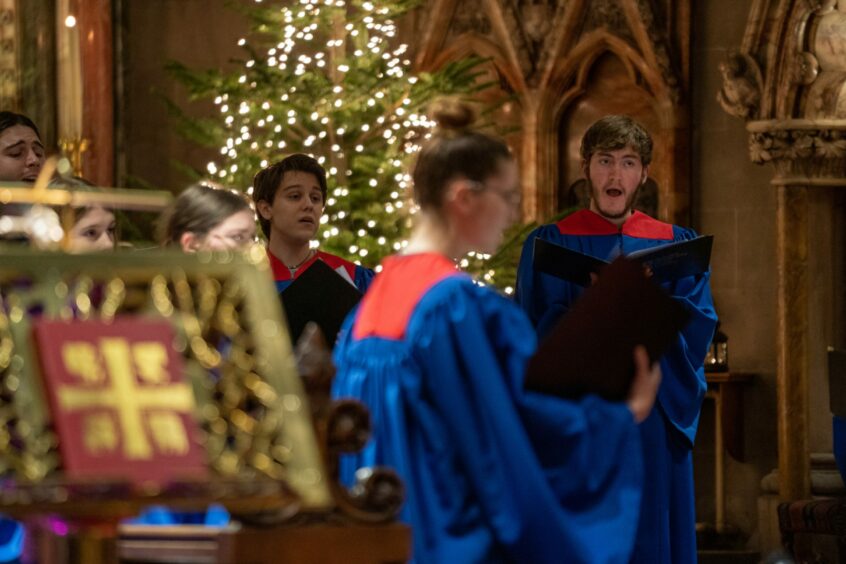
x: 205, y: 217
x: 21, y: 149
x: 94, y: 228
x: 616, y: 152
x: 21, y: 158
x: 290, y: 196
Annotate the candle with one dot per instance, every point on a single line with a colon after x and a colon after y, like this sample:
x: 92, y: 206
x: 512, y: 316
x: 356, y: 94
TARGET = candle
x: 69, y: 73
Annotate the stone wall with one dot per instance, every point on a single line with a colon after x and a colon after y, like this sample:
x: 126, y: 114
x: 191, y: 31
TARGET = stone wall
x: 733, y: 200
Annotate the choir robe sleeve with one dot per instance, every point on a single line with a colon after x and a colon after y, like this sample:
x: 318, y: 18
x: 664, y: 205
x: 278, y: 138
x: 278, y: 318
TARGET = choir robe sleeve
x: 683, y: 386
x: 543, y: 297
x: 363, y: 278
x: 551, y: 480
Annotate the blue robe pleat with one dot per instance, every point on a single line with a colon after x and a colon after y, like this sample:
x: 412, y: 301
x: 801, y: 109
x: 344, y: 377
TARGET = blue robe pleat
x: 839, y: 436
x: 12, y: 537
x: 667, y: 531
x: 493, y: 473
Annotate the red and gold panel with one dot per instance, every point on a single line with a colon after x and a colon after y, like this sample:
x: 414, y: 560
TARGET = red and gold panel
x: 119, y: 401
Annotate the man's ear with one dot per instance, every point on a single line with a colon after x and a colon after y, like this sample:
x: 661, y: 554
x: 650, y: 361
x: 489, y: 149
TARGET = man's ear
x: 585, y: 166
x: 644, y: 176
x: 264, y: 209
x: 189, y: 242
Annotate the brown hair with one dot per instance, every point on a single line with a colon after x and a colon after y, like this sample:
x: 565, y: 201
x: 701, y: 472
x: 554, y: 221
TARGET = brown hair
x: 266, y: 181
x: 74, y: 182
x: 454, y: 151
x: 199, y: 209
x: 617, y: 132
x: 11, y: 119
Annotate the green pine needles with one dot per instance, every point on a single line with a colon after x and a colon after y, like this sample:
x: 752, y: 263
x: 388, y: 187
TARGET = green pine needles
x: 328, y: 78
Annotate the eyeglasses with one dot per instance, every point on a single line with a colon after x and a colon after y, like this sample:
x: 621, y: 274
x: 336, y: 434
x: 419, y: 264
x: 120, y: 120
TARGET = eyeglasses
x: 511, y: 197
x: 237, y: 239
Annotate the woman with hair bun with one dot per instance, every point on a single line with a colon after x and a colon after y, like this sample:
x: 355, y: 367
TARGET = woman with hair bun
x: 493, y: 473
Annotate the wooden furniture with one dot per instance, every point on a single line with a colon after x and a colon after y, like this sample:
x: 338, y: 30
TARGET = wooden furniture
x: 310, y: 544
x: 726, y: 390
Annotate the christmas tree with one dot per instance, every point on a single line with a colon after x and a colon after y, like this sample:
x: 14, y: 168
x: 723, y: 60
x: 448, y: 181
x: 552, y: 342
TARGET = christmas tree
x: 328, y: 78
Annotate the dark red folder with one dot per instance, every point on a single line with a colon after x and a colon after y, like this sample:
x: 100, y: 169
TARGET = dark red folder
x: 590, y: 350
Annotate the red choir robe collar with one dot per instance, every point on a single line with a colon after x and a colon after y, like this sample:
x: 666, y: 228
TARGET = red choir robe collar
x: 387, y: 306
x: 281, y: 272
x: 638, y: 225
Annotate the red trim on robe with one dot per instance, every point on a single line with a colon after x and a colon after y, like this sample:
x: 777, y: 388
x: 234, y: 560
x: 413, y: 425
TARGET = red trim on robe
x: 639, y: 225
x: 281, y: 272
x: 387, y: 306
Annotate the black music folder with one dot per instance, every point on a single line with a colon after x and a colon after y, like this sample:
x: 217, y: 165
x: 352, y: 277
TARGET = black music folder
x: 590, y: 350
x: 666, y: 262
x: 320, y: 295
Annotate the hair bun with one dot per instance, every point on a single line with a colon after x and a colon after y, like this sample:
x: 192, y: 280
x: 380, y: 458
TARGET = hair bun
x: 452, y: 114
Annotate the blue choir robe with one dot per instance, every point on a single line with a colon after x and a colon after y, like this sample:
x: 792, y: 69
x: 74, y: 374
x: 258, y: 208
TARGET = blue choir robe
x: 215, y: 516
x: 667, y: 528
x: 492, y: 473
x: 12, y: 537
x: 839, y: 435
x: 357, y: 275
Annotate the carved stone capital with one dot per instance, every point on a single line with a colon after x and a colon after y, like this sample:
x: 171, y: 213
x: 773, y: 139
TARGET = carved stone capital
x: 804, y: 152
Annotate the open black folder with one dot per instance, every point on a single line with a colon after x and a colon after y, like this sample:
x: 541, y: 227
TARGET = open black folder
x: 320, y: 295
x: 590, y: 350
x: 667, y: 262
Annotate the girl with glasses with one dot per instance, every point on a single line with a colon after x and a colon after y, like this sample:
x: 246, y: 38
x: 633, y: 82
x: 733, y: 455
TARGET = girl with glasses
x: 209, y: 218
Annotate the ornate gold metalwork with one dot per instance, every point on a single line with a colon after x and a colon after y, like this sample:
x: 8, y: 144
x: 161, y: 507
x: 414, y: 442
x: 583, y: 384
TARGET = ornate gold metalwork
x: 140, y: 200
x: 229, y: 330
x: 73, y: 149
x: 9, y: 56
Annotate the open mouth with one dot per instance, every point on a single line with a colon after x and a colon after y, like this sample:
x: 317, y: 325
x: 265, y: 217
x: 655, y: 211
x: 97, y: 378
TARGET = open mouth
x: 30, y: 178
x: 307, y: 220
x: 614, y: 192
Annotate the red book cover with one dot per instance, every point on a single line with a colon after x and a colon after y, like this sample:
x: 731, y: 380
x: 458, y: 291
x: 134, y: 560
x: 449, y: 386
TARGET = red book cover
x: 119, y: 400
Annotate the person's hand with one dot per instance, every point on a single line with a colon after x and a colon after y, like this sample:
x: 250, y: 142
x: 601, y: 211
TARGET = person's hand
x: 644, y: 386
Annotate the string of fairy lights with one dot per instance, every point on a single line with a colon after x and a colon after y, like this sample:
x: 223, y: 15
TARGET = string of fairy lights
x: 335, y: 83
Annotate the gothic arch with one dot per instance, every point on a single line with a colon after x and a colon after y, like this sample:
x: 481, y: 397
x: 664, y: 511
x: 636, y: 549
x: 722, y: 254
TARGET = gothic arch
x: 549, y: 73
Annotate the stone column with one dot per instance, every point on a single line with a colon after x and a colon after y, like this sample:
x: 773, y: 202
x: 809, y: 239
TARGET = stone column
x: 791, y: 341
x: 788, y: 81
